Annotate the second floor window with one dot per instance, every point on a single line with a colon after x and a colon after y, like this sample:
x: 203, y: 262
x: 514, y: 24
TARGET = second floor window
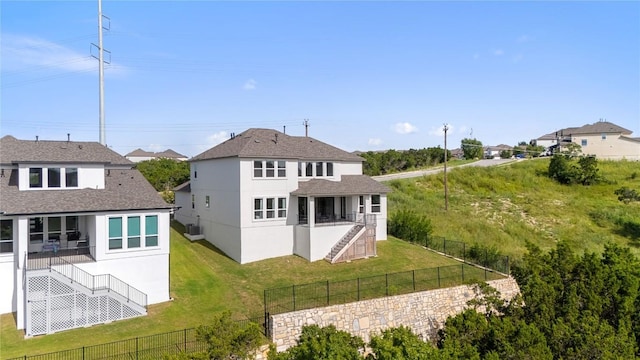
x: 35, y: 177
x: 269, y: 168
x: 375, y: 203
x: 54, y: 178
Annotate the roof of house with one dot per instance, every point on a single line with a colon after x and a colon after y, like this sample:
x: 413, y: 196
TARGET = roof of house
x: 124, y: 190
x: 267, y: 143
x: 186, y: 187
x: 169, y: 153
x: 595, y: 128
x: 348, y: 185
x: 14, y: 151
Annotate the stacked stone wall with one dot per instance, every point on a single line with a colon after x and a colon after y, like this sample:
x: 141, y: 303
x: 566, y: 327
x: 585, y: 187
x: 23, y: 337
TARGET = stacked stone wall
x: 424, y: 312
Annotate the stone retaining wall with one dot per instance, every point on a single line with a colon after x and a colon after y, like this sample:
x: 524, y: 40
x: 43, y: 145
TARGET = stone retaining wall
x: 424, y: 312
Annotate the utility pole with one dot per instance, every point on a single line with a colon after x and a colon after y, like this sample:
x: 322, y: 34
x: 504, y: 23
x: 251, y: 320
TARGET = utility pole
x: 306, y: 127
x: 446, y: 190
x: 101, y: 61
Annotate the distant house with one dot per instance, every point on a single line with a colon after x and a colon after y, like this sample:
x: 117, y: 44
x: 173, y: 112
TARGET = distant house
x: 84, y: 238
x: 491, y: 152
x: 603, y: 139
x: 138, y: 155
x: 264, y: 194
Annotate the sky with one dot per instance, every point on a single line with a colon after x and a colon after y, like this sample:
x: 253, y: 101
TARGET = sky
x: 378, y: 75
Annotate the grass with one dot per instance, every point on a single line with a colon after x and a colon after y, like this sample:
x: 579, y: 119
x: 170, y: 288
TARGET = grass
x: 508, y: 206
x: 205, y: 282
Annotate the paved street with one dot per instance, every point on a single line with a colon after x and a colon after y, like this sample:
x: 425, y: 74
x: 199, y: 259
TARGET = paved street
x: 417, y: 173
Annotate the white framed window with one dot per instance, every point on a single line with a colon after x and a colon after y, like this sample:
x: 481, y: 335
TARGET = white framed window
x: 319, y: 171
x: 361, y: 204
x: 269, y: 208
x: 71, y: 177
x: 329, y: 169
x: 133, y: 232
x: 583, y: 142
x: 193, y: 201
x: 270, y: 166
x: 257, y: 168
x: 375, y: 203
x: 139, y: 234
x: 54, y: 227
x: 308, y: 169
x: 151, y: 230
x: 206, y: 201
x: 6, y: 236
x: 53, y: 177
x: 282, y: 168
x: 282, y: 207
x: 36, y: 230
x: 257, y: 209
x: 603, y: 136
x: 299, y: 169
x: 35, y: 177
x: 115, y: 233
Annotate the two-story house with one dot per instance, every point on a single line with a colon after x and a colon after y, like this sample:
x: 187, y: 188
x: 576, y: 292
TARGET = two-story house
x: 263, y: 194
x: 84, y: 237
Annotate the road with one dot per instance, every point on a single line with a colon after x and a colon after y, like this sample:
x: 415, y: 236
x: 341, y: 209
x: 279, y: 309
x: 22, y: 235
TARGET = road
x: 418, y: 173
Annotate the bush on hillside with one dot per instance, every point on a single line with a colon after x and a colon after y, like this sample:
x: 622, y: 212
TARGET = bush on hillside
x: 410, y: 226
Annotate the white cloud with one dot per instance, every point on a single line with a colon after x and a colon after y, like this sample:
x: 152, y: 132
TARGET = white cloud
x: 405, y: 128
x: 21, y: 53
x: 217, y: 138
x: 498, y: 52
x: 375, y: 141
x: 249, y: 85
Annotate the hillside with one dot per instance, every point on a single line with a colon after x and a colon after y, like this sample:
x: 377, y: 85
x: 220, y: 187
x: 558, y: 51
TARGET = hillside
x: 511, y: 205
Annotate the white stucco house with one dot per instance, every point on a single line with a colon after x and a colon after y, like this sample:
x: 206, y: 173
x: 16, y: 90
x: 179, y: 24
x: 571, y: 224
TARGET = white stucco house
x: 84, y: 237
x: 602, y: 139
x: 263, y: 194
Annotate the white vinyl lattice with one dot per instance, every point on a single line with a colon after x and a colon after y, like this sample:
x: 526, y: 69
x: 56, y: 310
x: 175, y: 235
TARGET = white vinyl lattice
x: 54, y: 303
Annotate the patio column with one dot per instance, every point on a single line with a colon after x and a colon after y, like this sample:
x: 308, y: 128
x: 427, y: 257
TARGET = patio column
x: 312, y: 211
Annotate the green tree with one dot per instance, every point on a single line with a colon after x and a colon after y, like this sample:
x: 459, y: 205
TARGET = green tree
x: 325, y: 343
x: 471, y: 148
x: 400, y: 343
x: 588, y: 170
x: 164, y: 174
x: 226, y: 339
x: 627, y: 195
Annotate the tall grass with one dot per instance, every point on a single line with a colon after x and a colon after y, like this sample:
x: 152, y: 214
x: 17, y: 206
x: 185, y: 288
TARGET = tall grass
x: 508, y: 206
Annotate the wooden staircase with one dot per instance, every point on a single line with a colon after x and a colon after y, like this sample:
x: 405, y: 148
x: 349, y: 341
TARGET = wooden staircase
x: 344, y: 242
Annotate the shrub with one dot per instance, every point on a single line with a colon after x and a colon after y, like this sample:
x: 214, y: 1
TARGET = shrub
x: 410, y: 226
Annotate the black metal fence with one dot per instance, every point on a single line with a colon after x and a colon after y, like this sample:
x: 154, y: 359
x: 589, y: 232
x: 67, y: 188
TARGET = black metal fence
x: 474, y: 254
x: 150, y: 347
x: 325, y: 293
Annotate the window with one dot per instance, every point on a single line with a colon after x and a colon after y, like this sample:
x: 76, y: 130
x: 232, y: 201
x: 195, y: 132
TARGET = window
x: 604, y: 136
x: 257, y: 168
x: 584, y: 142
x: 151, y: 230
x: 375, y: 203
x: 270, y: 168
x: 115, y: 233
x: 206, y: 201
x: 193, y: 201
x: 282, y: 207
x: 257, y: 209
x: 53, y: 177
x: 309, y: 169
x: 299, y: 169
x: 133, y: 232
x: 282, y: 169
x: 71, y: 177
x: 35, y: 177
x: 271, y: 213
x: 361, y: 204
x: 36, y: 230
x: 54, y: 228
x: 6, y: 236
x: 71, y: 227
x: 269, y: 208
x: 319, y: 168
x: 329, y: 169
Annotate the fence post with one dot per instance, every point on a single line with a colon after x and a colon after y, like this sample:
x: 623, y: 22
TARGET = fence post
x: 294, y: 297
x: 265, y: 301
x: 386, y: 284
x: 413, y: 278
x: 464, y: 252
x: 83, y: 353
x: 327, y: 292
x: 184, y: 340
x: 136, y: 348
x: 444, y: 245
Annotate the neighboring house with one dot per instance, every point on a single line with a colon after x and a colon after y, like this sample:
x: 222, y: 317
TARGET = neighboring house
x: 491, y: 152
x: 84, y: 237
x: 138, y: 155
x: 602, y: 139
x: 264, y: 194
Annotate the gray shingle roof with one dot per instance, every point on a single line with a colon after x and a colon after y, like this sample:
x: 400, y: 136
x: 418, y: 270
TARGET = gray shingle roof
x: 185, y: 186
x: 170, y: 154
x: 601, y: 127
x: 348, y: 185
x: 124, y: 190
x: 266, y: 143
x: 13, y: 150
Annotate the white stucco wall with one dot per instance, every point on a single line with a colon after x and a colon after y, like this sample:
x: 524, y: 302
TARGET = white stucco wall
x: 8, y: 287
x: 613, y: 147
x: 323, y: 238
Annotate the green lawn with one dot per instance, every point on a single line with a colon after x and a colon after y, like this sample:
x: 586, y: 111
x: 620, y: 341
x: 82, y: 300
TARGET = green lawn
x: 205, y: 282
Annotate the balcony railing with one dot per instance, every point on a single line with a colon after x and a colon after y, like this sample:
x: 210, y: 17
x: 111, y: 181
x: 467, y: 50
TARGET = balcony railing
x: 336, y: 219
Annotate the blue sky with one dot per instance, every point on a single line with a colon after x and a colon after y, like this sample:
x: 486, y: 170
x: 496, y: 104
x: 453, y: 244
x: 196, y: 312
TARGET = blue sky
x: 367, y: 75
